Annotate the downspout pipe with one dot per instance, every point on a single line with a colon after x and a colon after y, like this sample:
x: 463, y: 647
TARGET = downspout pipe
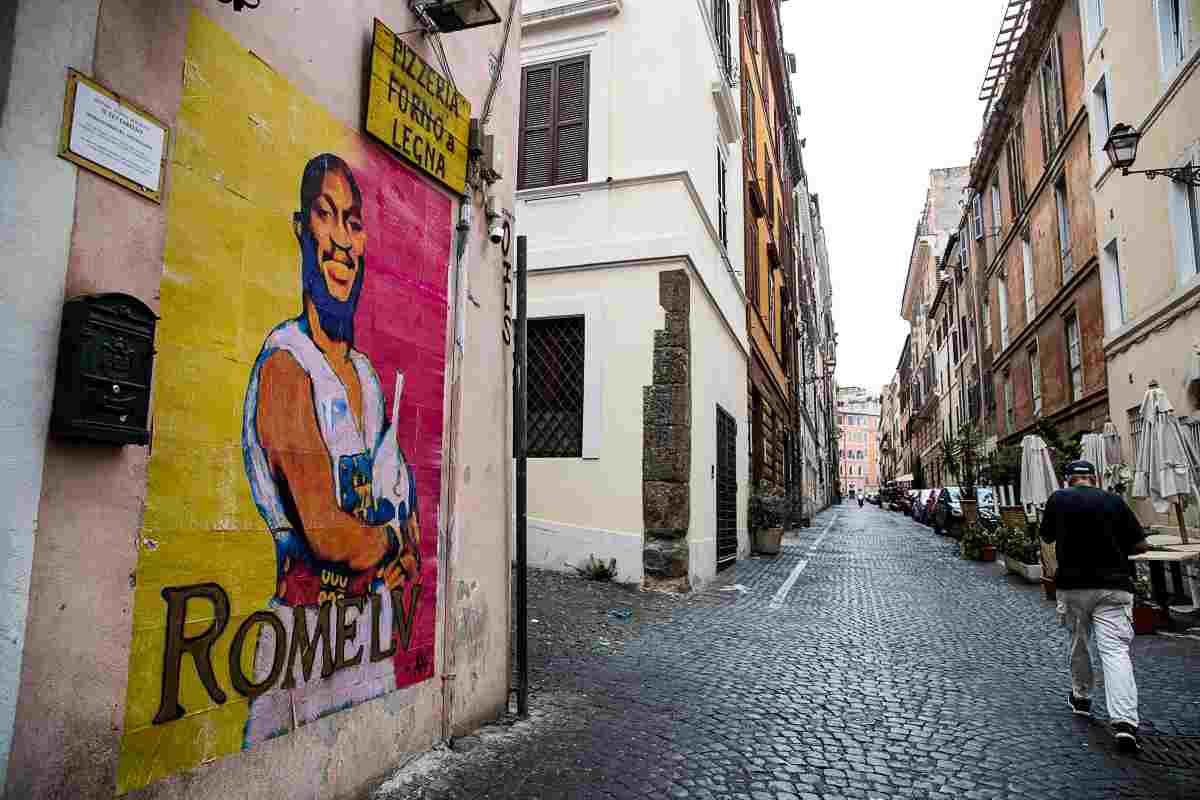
x: 461, y: 248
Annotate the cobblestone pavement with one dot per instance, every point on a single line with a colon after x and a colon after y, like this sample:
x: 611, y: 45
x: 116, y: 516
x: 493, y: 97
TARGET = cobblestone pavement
x: 889, y: 669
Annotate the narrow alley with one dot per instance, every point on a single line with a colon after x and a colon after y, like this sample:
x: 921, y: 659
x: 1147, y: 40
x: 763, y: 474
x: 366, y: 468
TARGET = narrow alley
x: 866, y: 661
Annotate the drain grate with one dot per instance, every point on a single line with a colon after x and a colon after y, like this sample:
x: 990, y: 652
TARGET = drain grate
x: 1171, y: 751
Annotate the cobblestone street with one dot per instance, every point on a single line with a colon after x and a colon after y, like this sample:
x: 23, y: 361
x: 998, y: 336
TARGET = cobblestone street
x: 866, y: 661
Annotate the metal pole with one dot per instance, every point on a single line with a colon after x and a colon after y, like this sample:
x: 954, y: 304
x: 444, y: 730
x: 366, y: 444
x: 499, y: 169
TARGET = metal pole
x: 519, y: 435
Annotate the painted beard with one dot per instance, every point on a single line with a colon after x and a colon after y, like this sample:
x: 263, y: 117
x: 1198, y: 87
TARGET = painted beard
x: 335, y: 316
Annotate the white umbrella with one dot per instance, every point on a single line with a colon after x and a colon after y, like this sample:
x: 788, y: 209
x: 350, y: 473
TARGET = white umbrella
x: 1164, y: 468
x: 1038, y: 480
x: 1093, y: 450
x: 1112, y: 443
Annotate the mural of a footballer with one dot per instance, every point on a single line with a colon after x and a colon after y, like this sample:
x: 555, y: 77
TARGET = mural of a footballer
x: 325, y: 468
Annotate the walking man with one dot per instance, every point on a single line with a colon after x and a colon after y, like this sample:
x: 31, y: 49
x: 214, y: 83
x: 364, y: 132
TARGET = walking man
x: 1094, y: 533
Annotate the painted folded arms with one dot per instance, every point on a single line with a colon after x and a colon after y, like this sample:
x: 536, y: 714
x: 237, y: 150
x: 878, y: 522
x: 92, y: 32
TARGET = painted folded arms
x: 297, y: 455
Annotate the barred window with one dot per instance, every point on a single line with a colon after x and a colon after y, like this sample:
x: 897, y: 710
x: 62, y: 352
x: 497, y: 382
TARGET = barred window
x: 555, y: 385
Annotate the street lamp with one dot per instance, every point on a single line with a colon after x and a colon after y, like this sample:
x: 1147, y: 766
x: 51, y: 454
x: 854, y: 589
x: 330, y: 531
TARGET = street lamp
x: 1121, y: 149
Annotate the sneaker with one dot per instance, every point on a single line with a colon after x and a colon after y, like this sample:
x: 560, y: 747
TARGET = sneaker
x: 1079, y: 705
x: 1126, y: 736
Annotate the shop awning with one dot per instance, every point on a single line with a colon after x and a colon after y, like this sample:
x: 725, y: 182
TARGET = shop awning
x: 905, y: 478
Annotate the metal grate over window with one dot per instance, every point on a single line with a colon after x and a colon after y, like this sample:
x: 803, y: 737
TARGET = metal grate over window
x: 555, y: 405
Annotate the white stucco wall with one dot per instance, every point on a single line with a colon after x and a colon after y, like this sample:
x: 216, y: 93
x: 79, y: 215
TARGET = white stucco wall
x: 593, y: 505
x: 37, y: 207
x: 649, y: 204
x: 719, y: 377
x: 1144, y: 219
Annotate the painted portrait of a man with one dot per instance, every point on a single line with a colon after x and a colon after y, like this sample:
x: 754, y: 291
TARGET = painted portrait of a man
x: 322, y: 458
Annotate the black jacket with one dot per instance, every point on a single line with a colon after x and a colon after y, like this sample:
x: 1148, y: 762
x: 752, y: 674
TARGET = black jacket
x: 1094, y: 533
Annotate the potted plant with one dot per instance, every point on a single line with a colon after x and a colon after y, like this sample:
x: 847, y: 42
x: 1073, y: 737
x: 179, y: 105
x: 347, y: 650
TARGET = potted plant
x: 1022, y: 552
x: 768, y: 511
x: 976, y: 544
x: 1145, y: 614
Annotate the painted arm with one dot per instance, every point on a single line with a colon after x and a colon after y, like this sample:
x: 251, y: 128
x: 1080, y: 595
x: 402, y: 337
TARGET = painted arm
x: 288, y: 432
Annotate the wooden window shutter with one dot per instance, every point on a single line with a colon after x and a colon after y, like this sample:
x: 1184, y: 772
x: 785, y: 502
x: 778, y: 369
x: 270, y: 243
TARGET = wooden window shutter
x: 571, y: 120
x: 752, y: 260
x: 554, y: 124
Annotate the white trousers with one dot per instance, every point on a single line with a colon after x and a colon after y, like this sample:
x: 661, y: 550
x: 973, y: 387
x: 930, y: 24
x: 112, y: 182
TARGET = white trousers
x: 1108, y: 615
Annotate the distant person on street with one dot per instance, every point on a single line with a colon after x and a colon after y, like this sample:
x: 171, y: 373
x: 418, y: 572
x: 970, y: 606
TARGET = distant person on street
x: 1094, y: 533
x: 860, y: 501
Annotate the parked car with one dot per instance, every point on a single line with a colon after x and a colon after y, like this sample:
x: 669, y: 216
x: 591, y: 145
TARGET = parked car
x: 922, y: 506
x: 948, y: 515
x: 930, y: 506
x: 947, y: 512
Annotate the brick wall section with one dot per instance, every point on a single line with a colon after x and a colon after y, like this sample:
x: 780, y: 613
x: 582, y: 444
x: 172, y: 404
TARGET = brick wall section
x: 667, y: 436
x: 1054, y: 301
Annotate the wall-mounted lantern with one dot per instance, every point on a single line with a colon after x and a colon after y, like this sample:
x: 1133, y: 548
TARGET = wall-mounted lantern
x: 105, y: 363
x: 1121, y: 149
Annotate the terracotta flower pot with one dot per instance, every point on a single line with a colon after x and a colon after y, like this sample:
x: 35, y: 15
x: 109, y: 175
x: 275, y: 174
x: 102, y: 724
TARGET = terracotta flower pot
x: 1145, y: 620
x: 768, y: 541
x: 989, y: 553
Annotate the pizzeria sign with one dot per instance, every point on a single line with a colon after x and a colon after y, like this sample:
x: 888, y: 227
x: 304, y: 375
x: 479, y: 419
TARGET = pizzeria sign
x: 417, y: 112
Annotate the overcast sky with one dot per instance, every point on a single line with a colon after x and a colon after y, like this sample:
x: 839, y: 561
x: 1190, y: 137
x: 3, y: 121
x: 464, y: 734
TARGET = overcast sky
x: 887, y: 92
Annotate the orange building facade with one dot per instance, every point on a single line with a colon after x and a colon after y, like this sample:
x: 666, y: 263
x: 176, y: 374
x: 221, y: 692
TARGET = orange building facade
x: 770, y: 158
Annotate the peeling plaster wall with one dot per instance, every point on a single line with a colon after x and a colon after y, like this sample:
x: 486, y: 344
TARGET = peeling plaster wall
x: 73, y: 675
x: 38, y: 41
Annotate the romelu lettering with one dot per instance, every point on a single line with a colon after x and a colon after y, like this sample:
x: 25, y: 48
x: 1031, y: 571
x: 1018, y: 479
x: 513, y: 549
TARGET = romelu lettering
x: 336, y: 626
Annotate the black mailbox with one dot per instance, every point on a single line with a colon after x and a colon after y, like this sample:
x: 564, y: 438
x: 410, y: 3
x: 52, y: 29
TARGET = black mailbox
x: 105, y: 360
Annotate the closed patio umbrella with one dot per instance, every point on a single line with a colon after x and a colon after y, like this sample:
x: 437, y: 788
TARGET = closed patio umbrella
x: 1112, y: 443
x: 1165, y: 466
x: 1038, y: 480
x: 1093, y: 450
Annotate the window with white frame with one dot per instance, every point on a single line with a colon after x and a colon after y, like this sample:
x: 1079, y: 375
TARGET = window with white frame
x: 1074, y: 356
x: 1064, y: 226
x: 1008, y: 403
x: 1095, y: 21
x: 1185, y: 218
x: 722, y: 197
x: 1027, y: 273
x: 1035, y: 377
x: 977, y: 217
x: 1173, y: 33
x: 1114, y: 291
x: 1101, y: 117
x: 996, y: 203
x: 986, y: 323
x: 1051, y: 99
x: 721, y: 24
x: 963, y: 249
x: 1002, y: 299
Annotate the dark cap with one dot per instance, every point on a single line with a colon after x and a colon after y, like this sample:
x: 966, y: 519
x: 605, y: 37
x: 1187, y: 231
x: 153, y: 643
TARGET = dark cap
x: 1078, y: 469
